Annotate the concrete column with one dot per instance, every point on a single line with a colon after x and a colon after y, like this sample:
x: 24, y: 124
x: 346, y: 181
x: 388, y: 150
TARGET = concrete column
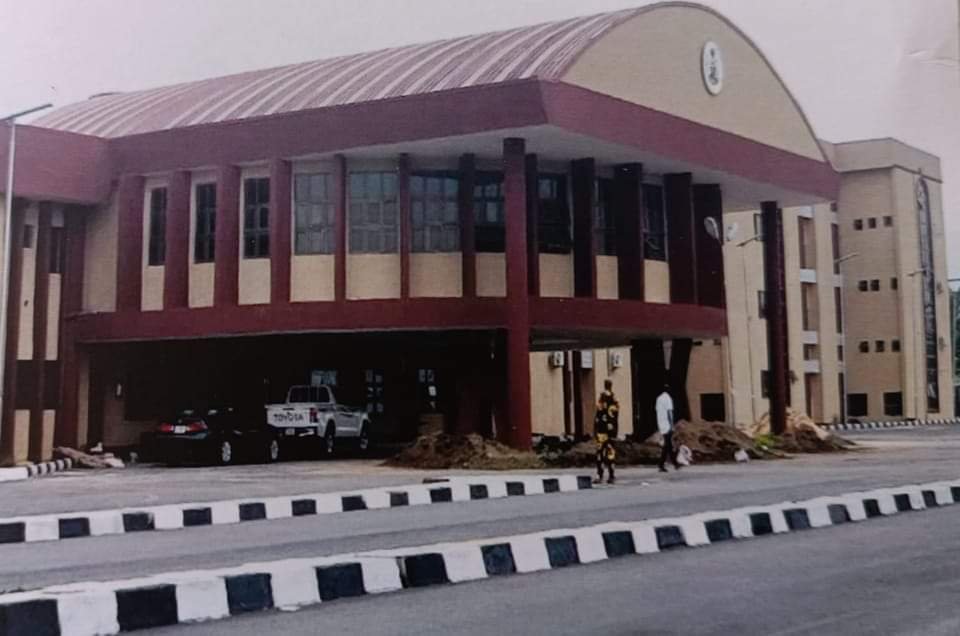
x: 176, y: 262
x: 708, y: 203
x: 584, y: 243
x: 227, y: 256
x: 518, y: 426
x: 129, y: 243
x: 468, y: 246
x: 41, y: 298
x: 281, y: 233
x: 773, y: 267
x: 67, y: 430
x: 629, y: 222
x: 340, y: 227
x: 403, y: 208
x: 532, y: 177
x: 681, y: 238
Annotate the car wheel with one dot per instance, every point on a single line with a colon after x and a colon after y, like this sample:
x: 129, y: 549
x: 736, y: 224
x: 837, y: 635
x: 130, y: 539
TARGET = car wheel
x: 273, y: 450
x: 225, y: 453
x: 364, y: 441
x: 329, y: 442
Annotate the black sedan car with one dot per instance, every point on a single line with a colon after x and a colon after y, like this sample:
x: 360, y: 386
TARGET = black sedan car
x: 217, y: 435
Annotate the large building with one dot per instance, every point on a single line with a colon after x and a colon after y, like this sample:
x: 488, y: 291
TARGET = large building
x: 484, y: 227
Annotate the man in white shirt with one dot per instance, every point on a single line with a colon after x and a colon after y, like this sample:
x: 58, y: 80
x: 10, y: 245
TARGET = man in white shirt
x: 665, y: 426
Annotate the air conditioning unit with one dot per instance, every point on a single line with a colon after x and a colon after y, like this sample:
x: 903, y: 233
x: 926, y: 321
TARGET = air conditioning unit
x: 556, y: 359
x: 586, y: 359
x: 615, y: 359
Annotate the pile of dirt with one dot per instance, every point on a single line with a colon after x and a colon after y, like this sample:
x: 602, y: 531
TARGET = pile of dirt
x: 88, y: 460
x: 801, y: 435
x: 444, y: 450
x: 579, y: 454
x: 717, y: 442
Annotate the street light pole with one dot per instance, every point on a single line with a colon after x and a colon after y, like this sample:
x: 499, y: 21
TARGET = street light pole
x: 11, y: 121
x: 918, y: 366
x: 746, y: 309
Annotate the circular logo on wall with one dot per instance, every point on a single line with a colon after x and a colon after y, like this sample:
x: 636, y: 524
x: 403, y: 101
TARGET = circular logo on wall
x: 712, y: 67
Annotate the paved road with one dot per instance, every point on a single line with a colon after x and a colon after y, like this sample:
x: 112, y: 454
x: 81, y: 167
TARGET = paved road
x: 891, y: 460
x: 892, y: 576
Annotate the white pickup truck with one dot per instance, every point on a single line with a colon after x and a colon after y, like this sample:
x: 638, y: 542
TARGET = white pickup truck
x: 312, y: 411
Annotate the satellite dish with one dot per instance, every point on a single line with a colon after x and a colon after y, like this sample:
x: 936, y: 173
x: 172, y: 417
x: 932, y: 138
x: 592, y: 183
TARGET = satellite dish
x: 732, y: 230
x: 713, y: 228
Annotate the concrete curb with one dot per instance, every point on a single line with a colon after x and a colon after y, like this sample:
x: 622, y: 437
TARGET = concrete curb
x: 888, y: 424
x: 19, y: 473
x: 54, y: 527
x: 84, y: 609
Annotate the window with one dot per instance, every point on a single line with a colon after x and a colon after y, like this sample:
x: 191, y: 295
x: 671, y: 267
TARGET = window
x: 157, y: 241
x: 888, y: 221
x: 762, y: 304
x: 840, y: 353
x: 375, y: 398
x: 57, y: 251
x: 765, y: 384
x: 605, y: 222
x: 373, y: 213
x: 314, y: 214
x: 835, y: 245
x: 880, y: 346
x: 256, y: 218
x: 553, y: 232
x: 28, y: 236
x: 808, y: 243
x: 864, y: 346
x: 894, y: 283
x: 809, y: 352
x: 872, y: 223
x: 834, y: 207
x: 857, y: 404
x: 895, y: 346
x: 893, y: 403
x: 758, y: 226
x: 712, y: 407
x: 205, y: 234
x: 858, y: 224
x: 655, y: 230
x: 863, y: 285
x: 875, y: 285
x: 435, y: 215
x: 488, y: 207
x: 838, y: 308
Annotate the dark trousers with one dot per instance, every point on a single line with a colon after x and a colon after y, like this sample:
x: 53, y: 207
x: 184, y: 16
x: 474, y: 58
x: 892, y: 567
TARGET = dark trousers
x: 605, y: 455
x: 668, y: 452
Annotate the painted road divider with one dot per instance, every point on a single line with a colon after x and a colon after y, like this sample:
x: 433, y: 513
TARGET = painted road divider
x: 18, y: 473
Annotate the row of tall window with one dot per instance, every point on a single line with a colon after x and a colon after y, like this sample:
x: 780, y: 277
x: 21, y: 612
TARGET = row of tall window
x: 874, y: 284
x: 373, y: 216
x: 871, y: 223
x: 879, y: 346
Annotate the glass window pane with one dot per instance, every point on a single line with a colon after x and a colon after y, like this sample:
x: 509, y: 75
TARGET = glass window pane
x: 389, y: 184
x: 357, y: 182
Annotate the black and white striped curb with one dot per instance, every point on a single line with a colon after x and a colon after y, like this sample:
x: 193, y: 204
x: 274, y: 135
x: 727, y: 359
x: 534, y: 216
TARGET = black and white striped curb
x: 27, y: 471
x: 863, y: 426
x: 84, y: 609
x: 53, y: 527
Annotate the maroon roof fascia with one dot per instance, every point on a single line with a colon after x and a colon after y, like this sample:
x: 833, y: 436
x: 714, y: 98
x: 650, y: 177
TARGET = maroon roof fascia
x: 54, y: 165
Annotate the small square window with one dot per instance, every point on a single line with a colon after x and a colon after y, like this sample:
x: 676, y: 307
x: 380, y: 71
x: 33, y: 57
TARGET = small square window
x: 875, y: 285
x: 833, y: 206
x: 858, y: 224
x: 894, y: 283
x: 864, y: 346
x: 895, y: 345
x: 893, y: 404
x: 872, y: 223
x: 888, y: 221
x: 880, y: 346
x: 857, y: 404
x: 863, y: 285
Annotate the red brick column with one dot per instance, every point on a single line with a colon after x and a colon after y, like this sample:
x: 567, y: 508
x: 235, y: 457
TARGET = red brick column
x: 468, y: 246
x: 227, y: 256
x: 176, y: 261
x: 281, y: 232
x: 517, y: 432
x: 129, y: 243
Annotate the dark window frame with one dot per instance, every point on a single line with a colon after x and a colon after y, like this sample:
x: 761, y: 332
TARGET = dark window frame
x: 256, y: 217
x: 713, y: 407
x: 58, y: 251
x: 864, y: 346
x: 434, y: 212
x: 489, y: 209
x: 205, y: 223
x: 863, y: 285
x: 880, y: 346
x: 655, y: 226
x: 888, y: 221
x: 373, y: 212
x: 872, y: 223
x: 895, y: 346
x: 554, y: 224
x: 605, y: 216
x: 314, y: 213
x: 875, y: 285
x: 157, y: 227
x: 858, y: 404
x: 858, y: 224
x: 893, y: 403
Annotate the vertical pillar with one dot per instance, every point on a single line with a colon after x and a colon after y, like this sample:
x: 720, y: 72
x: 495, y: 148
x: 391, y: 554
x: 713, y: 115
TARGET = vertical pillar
x: 628, y: 194
x: 518, y: 430
x: 532, y: 177
x: 13, y: 331
x: 584, y: 242
x: 41, y: 300
x: 68, y: 422
x: 129, y: 243
x: 680, y: 351
x: 468, y: 244
x: 681, y: 238
x: 340, y: 227
x: 649, y: 375
x: 227, y: 251
x: 403, y: 196
x: 177, y: 256
x: 773, y: 269
x: 708, y: 203
x: 281, y: 232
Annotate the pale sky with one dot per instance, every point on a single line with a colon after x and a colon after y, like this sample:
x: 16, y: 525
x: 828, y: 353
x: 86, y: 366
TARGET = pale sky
x: 859, y: 68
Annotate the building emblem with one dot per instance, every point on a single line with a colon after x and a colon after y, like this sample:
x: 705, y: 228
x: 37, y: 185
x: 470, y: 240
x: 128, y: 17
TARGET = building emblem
x: 712, y: 67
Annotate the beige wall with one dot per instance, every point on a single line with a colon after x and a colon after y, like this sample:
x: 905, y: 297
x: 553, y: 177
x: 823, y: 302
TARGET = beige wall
x: 21, y: 435
x: 556, y: 275
x: 253, y: 284
x: 152, y: 276
x: 608, y: 281
x: 28, y: 284
x: 100, y: 262
x: 708, y: 374
x: 83, y: 396
x: 46, y: 438
x: 546, y: 395
x: 656, y: 276
x: 668, y: 41
x: 491, y: 275
x: 372, y: 276
x: 312, y: 277
x: 201, y: 275
x: 436, y: 275
x: 53, y: 317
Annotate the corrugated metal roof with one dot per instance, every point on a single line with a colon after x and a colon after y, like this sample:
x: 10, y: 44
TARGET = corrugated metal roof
x: 542, y: 51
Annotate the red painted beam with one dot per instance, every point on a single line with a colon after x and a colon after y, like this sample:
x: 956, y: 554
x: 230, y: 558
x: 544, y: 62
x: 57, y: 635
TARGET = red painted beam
x: 227, y: 241
x: 177, y: 257
x: 634, y: 319
x: 129, y: 243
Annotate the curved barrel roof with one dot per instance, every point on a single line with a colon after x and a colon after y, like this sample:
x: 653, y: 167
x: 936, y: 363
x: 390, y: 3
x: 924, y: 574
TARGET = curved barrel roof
x: 541, y: 51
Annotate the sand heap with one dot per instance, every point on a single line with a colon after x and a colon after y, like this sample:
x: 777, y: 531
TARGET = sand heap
x: 801, y: 435
x: 444, y: 450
